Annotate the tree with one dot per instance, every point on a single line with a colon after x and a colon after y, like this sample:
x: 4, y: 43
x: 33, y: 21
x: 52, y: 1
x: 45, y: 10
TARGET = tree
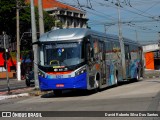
x: 25, y: 25
x: 25, y: 19
x: 8, y: 18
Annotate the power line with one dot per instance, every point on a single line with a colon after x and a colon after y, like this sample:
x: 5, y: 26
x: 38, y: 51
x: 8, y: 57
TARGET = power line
x: 124, y: 9
x: 142, y: 12
x: 152, y: 17
x: 126, y: 5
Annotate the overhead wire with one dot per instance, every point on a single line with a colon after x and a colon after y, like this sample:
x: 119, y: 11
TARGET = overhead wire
x: 111, y: 18
x: 139, y: 13
x: 140, y: 27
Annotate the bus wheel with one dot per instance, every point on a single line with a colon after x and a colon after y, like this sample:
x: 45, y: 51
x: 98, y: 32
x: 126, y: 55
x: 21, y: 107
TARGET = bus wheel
x: 97, y: 86
x: 137, y: 76
x: 97, y: 81
x: 28, y: 83
x: 57, y: 92
x: 116, y: 79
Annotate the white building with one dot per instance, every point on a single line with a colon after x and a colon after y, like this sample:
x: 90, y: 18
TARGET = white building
x: 69, y: 16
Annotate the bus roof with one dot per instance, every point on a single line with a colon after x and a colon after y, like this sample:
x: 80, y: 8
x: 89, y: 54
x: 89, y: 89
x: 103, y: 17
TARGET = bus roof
x: 64, y: 34
x: 76, y: 34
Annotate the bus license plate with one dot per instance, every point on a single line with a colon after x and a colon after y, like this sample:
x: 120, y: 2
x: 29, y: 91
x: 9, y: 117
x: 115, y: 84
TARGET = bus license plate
x: 59, y: 85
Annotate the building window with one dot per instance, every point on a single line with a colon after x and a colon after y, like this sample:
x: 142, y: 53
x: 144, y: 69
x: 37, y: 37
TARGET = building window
x: 75, y: 24
x: 62, y: 12
x: 81, y: 15
x: 69, y: 13
x: 81, y: 24
x: 75, y: 14
x: 67, y: 24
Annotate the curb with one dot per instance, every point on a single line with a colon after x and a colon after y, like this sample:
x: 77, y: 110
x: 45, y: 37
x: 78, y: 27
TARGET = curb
x: 38, y: 93
x: 2, y: 97
x: 26, y: 94
x: 152, y: 77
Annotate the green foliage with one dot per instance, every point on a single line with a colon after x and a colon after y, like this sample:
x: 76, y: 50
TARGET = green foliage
x: 7, y: 14
x: 25, y: 18
x: 8, y: 17
x: 49, y: 21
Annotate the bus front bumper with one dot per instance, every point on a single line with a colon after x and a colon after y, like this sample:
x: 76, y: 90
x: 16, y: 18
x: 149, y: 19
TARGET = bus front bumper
x: 78, y: 82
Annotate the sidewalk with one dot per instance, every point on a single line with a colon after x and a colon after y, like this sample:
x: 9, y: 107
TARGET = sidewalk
x: 13, y: 84
x: 17, y: 89
x: 151, y: 73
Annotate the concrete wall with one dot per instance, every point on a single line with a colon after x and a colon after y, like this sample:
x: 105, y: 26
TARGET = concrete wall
x: 149, y: 48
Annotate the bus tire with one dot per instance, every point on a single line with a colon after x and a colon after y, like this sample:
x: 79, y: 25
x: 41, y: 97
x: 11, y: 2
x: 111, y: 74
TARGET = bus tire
x: 97, y: 84
x: 28, y: 84
x: 116, y: 78
x: 57, y: 92
x: 137, y: 76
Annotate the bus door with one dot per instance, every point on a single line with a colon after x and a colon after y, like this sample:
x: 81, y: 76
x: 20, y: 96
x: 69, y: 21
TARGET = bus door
x: 102, y: 62
x: 108, y: 58
x: 127, y: 60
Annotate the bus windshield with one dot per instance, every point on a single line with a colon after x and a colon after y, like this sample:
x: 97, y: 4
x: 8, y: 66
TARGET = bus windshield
x: 63, y: 54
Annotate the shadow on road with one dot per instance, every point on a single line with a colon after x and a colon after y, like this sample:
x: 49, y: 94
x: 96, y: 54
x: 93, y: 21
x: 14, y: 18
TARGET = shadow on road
x: 70, y: 93
x: 77, y: 93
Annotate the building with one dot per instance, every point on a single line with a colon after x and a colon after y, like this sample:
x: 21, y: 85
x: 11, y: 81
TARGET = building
x: 69, y: 16
x: 152, y: 56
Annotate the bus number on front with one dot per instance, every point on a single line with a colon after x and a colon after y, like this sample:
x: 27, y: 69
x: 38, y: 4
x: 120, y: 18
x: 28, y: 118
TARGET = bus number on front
x: 59, y: 76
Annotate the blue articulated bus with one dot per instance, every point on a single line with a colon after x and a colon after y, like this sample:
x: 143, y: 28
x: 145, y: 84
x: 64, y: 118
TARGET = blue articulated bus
x: 79, y: 58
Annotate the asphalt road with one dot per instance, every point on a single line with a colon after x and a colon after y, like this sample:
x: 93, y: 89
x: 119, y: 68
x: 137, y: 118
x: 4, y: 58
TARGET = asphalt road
x: 138, y: 96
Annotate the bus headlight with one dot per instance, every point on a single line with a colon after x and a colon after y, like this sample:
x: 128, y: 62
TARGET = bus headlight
x: 81, y: 71
x: 42, y: 74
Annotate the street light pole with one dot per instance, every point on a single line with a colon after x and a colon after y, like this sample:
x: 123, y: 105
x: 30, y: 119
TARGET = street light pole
x: 18, y: 44
x: 121, y: 41
x: 5, y: 53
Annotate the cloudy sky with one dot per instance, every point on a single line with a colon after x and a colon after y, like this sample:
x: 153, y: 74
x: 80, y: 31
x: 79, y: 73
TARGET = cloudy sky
x: 140, y: 18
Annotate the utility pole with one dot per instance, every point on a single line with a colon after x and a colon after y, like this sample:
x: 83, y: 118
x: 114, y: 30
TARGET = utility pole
x: 35, y: 46
x: 121, y: 41
x: 18, y: 7
x: 18, y: 42
x: 41, y: 22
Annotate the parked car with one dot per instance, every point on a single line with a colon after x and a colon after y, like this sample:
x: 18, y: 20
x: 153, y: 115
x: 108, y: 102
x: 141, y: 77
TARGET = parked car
x: 30, y: 79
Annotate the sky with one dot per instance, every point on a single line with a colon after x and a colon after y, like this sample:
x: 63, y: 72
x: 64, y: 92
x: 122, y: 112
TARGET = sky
x: 140, y: 18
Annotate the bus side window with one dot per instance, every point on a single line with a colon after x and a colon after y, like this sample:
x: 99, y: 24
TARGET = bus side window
x: 89, y: 51
x: 127, y: 52
x: 108, y: 46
